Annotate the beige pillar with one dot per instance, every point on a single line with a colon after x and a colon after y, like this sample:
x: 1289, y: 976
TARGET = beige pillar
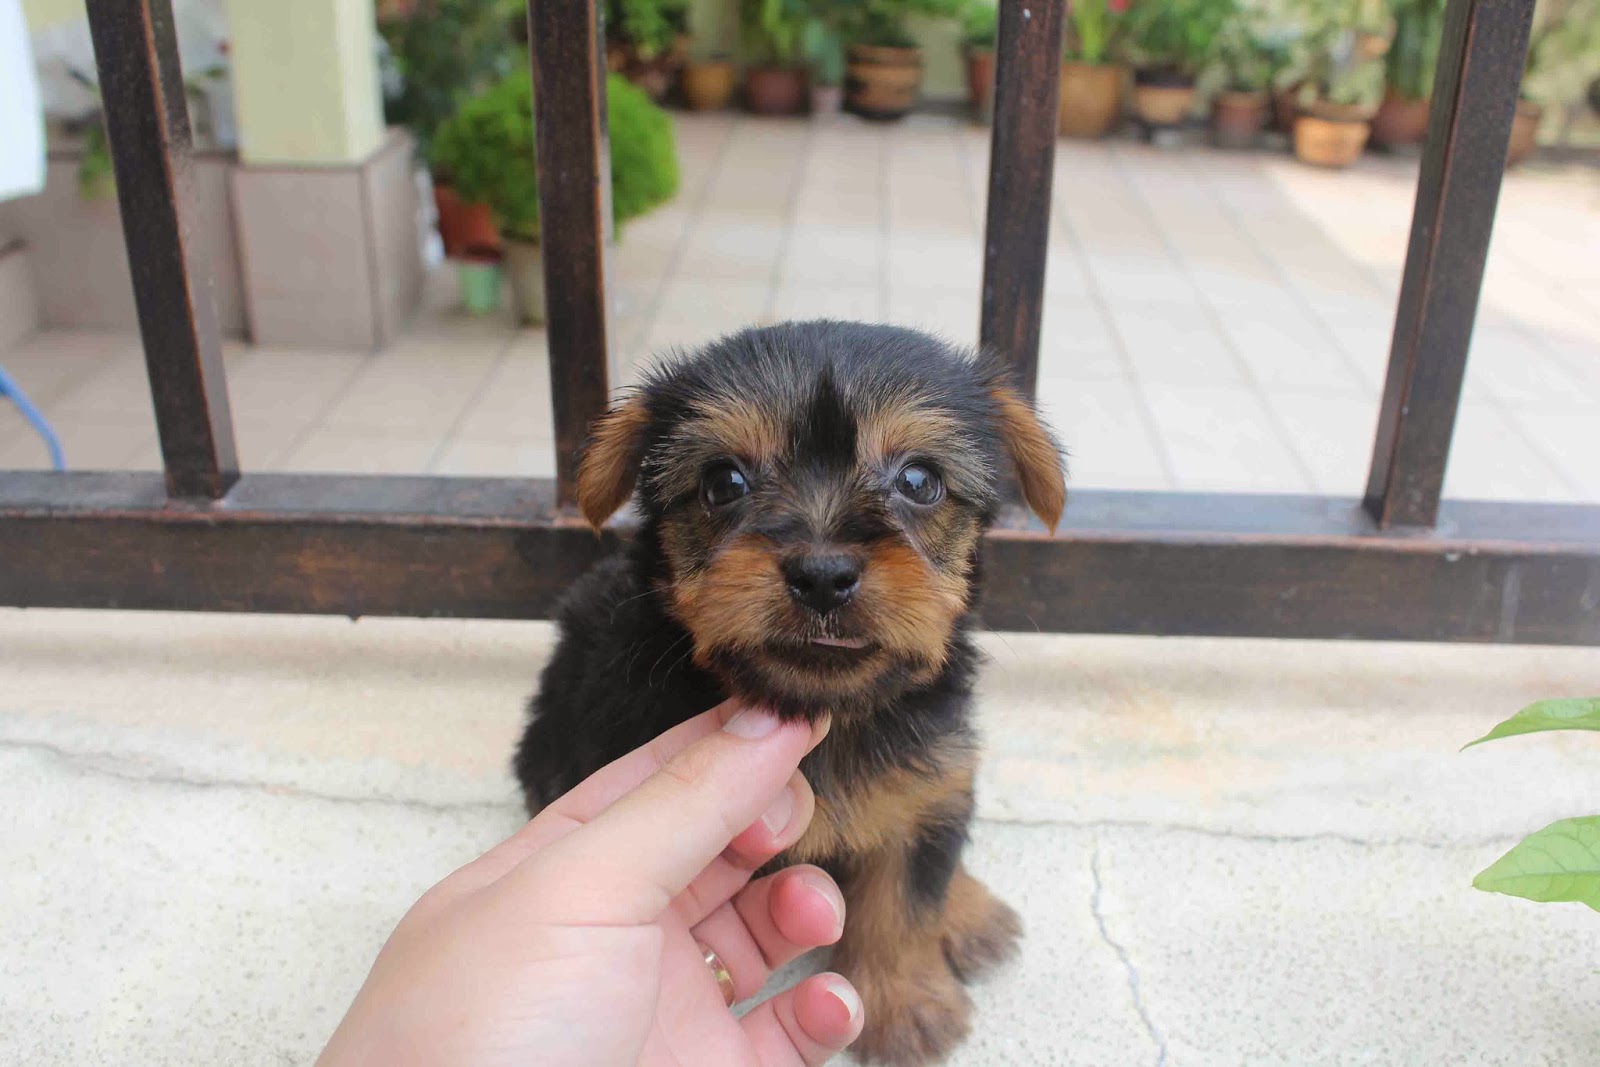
x: 305, y: 81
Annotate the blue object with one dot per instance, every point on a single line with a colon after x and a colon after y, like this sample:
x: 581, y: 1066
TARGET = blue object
x: 35, y: 417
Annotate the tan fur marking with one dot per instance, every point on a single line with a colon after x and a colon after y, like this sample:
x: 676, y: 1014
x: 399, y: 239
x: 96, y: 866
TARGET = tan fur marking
x: 896, y: 954
x: 912, y: 605
x: 980, y: 930
x: 900, y: 428
x: 610, y: 465
x: 733, y: 601
x: 1037, y: 456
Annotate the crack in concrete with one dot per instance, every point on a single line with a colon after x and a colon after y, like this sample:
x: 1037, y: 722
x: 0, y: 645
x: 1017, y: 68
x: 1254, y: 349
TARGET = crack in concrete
x: 1497, y: 840
x: 1127, y: 962
x: 118, y: 766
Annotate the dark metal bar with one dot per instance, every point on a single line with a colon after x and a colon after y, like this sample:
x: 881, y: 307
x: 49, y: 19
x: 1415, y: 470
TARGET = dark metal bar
x: 1021, y: 168
x: 1152, y: 563
x: 147, y: 121
x: 574, y: 166
x: 1474, y: 98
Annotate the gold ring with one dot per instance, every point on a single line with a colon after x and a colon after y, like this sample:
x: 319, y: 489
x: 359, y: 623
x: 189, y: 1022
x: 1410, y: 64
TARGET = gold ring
x: 719, y: 970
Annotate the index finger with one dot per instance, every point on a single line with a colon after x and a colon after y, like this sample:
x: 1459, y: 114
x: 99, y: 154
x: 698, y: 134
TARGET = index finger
x: 629, y: 862
x: 597, y: 792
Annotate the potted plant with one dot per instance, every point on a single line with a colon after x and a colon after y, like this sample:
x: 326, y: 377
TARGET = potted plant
x: 1171, y: 41
x: 826, y: 53
x: 979, y: 27
x: 1413, y: 56
x: 1091, y: 80
x: 708, y: 84
x: 1563, y: 53
x: 1239, y: 109
x: 1336, y: 107
x: 651, y: 41
x: 884, y: 72
x: 488, y: 145
x: 439, y: 54
x: 774, y: 32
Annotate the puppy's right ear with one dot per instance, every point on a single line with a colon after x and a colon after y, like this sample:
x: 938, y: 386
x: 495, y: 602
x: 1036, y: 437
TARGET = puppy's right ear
x: 609, y: 469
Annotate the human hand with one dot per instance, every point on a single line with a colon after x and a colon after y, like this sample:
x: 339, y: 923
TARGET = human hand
x: 577, y: 940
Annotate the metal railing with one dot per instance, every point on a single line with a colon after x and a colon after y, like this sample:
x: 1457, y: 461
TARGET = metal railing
x: 1398, y: 564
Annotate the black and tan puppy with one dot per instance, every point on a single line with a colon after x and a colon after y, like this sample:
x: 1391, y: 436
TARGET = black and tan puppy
x: 811, y: 501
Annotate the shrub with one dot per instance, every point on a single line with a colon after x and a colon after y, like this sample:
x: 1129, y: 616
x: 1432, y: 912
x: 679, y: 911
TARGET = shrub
x: 487, y: 147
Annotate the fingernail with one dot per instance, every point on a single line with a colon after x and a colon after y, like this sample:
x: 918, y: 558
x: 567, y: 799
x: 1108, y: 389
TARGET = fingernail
x: 819, y: 729
x: 833, y: 900
x: 752, y: 723
x: 846, y: 994
x: 777, y: 817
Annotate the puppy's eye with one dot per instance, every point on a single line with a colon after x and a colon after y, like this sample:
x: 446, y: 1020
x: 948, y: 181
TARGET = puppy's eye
x: 919, y: 484
x: 723, y: 484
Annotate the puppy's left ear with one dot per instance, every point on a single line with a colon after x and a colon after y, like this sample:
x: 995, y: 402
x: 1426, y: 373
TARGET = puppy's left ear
x: 609, y: 469
x: 1034, y: 451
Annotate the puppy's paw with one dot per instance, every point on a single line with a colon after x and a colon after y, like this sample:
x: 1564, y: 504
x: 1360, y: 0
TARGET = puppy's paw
x: 981, y: 931
x: 913, y: 1020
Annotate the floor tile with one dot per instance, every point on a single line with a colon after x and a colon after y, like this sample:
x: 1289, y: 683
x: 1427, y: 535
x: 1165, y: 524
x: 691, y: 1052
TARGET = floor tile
x: 1490, y: 460
x: 466, y: 457
x: 1222, y: 439
x: 332, y: 450
x: 1108, y: 439
x: 1175, y: 344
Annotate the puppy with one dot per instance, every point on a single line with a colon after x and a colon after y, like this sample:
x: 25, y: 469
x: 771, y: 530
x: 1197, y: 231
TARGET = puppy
x: 811, y: 502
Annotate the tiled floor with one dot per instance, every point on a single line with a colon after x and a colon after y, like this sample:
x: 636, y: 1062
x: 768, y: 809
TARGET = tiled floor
x: 1214, y: 321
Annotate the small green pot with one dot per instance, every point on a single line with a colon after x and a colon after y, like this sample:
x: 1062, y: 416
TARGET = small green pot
x: 480, y: 286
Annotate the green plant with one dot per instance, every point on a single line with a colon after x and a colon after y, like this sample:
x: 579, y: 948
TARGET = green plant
x: 1357, y: 84
x: 96, y: 176
x: 1093, y: 29
x: 1176, y: 37
x: 1245, y: 62
x: 1413, y: 57
x: 774, y: 31
x: 1563, y: 51
x: 652, y: 27
x: 1562, y: 861
x: 443, y: 53
x: 825, y: 51
x: 980, y: 24
x: 884, y: 22
x: 488, y: 148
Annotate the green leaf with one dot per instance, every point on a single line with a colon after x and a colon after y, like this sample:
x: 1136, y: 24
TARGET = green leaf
x: 1576, y: 714
x: 1560, y: 862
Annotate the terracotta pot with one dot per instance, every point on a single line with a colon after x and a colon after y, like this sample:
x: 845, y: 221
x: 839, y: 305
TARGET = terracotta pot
x: 464, y: 225
x: 1325, y: 142
x: 1091, y: 98
x: 882, y: 83
x: 980, y: 82
x: 1161, y: 106
x: 524, y: 265
x: 826, y: 100
x: 1238, y: 118
x: 1524, y: 132
x: 654, y: 76
x: 708, y: 86
x: 1400, y: 121
x: 775, y: 90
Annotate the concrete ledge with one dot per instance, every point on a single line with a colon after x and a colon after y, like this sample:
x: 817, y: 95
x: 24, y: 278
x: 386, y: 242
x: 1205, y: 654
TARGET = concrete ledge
x: 329, y: 255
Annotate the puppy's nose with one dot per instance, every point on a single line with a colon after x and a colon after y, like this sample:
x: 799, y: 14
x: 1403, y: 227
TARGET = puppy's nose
x: 822, y: 581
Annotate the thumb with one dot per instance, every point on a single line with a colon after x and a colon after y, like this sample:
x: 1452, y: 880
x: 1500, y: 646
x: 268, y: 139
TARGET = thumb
x: 628, y: 863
